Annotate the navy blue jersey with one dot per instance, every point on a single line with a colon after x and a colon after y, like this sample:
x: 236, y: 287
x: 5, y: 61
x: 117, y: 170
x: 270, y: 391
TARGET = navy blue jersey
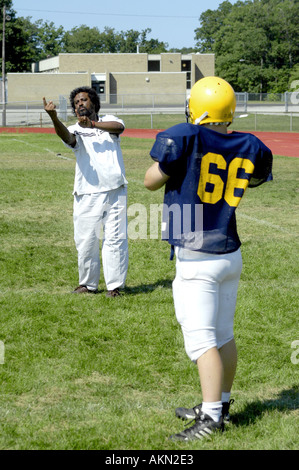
x: 209, y: 173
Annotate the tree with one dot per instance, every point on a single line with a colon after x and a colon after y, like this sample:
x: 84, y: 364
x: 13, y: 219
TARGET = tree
x: 46, y: 39
x: 27, y: 42
x: 6, y: 3
x: 211, y: 23
x: 90, y: 40
x: 18, y: 45
x: 255, y: 42
x: 294, y: 78
x: 110, y: 40
x: 151, y: 46
x: 83, y: 39
x: 130, y: 40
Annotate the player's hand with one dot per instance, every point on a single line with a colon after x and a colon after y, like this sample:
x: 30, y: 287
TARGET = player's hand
x: 50, y: 108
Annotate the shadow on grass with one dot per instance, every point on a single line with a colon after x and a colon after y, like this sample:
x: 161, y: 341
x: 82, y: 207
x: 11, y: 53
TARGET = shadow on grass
x: 142, y: 288
x: 135, y: 290
x: 286, y: 400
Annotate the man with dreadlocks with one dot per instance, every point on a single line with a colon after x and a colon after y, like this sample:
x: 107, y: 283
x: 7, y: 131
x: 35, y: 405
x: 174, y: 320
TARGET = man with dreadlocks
x: 100, y: 191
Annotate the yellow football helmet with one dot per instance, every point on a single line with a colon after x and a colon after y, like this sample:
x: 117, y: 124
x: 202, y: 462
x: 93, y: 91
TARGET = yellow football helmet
x: 212, y: 100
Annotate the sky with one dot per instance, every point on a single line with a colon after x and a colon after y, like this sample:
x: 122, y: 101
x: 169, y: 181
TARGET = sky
x: 170, y: 21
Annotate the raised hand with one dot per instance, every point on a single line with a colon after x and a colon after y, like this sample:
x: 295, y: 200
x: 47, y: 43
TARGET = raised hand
x: 60, y: 129
x: 50, y: 108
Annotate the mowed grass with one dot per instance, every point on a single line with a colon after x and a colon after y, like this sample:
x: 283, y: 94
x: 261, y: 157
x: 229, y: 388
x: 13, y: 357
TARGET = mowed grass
x: 242, y: 122
x: 88, y: 372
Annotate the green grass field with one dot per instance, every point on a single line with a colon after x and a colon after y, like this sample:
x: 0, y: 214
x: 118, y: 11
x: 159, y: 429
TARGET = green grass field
x: 250, y: 122
x: 92, y: 373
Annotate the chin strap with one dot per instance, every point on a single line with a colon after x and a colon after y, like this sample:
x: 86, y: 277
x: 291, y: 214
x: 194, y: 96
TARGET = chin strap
x: 203, y: 116
x: 187, y: 113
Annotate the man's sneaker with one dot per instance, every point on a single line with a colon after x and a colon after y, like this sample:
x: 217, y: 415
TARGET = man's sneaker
x: 225, y: 410
x: 188, y: 413
x: 193, y: 413
x: 113, y: 293
x: 84, y: 290
x: 203, y: 427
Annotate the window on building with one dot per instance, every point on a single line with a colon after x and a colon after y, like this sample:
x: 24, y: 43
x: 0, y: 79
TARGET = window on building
x: 186, y: 67
x: 99, y: 87
x: 153, y: 66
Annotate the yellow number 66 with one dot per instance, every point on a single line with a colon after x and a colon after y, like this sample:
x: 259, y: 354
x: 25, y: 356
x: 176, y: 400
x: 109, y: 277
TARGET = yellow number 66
x: 233, y: 182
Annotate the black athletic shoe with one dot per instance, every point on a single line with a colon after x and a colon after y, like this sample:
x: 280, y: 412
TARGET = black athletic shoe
x: 203, y: 427
x: 225, y: 410
x: 188, y: 413
x: 193, y: 413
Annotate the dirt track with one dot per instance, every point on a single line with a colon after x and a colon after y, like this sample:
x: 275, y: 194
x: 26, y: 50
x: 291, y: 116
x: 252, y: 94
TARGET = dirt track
x: 281, y: 143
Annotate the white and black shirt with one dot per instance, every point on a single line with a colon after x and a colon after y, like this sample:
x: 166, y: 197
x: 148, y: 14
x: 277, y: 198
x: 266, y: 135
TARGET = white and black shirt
x: 99, y: 159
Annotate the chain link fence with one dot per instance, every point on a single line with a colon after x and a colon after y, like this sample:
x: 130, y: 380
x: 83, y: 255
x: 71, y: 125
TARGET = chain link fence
x: 152, y: 107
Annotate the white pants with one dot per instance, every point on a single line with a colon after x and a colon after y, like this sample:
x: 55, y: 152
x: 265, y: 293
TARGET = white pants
x: 205, y: 294
x: 96, y: 216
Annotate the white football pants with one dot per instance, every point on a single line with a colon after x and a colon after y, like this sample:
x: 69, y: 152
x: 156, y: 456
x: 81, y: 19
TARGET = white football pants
x: 205, y: 293
x: 102, y: 216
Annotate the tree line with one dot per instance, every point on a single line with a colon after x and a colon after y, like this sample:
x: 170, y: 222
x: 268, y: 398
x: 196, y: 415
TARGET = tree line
x: 27, y: 42
x: 255, y: 42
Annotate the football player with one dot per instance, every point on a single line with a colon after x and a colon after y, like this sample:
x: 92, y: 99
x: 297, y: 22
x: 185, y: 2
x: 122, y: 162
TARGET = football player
x: 207, y: 170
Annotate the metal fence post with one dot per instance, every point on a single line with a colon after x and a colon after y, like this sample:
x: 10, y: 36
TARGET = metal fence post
x: 62, y: 108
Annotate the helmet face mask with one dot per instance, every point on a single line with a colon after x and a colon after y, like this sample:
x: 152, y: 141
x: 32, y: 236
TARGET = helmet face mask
x: 212, y: 100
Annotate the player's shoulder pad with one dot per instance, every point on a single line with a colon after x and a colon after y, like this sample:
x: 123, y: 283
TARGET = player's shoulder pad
x: 259, y: 143
x: 177, y: 134
x: 180, y: 130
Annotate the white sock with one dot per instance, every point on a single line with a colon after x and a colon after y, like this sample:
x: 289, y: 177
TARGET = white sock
x: 212, y: 409
x: 225, y: 396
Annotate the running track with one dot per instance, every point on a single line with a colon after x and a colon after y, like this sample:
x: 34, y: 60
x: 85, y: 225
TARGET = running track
x: 281, y: 143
